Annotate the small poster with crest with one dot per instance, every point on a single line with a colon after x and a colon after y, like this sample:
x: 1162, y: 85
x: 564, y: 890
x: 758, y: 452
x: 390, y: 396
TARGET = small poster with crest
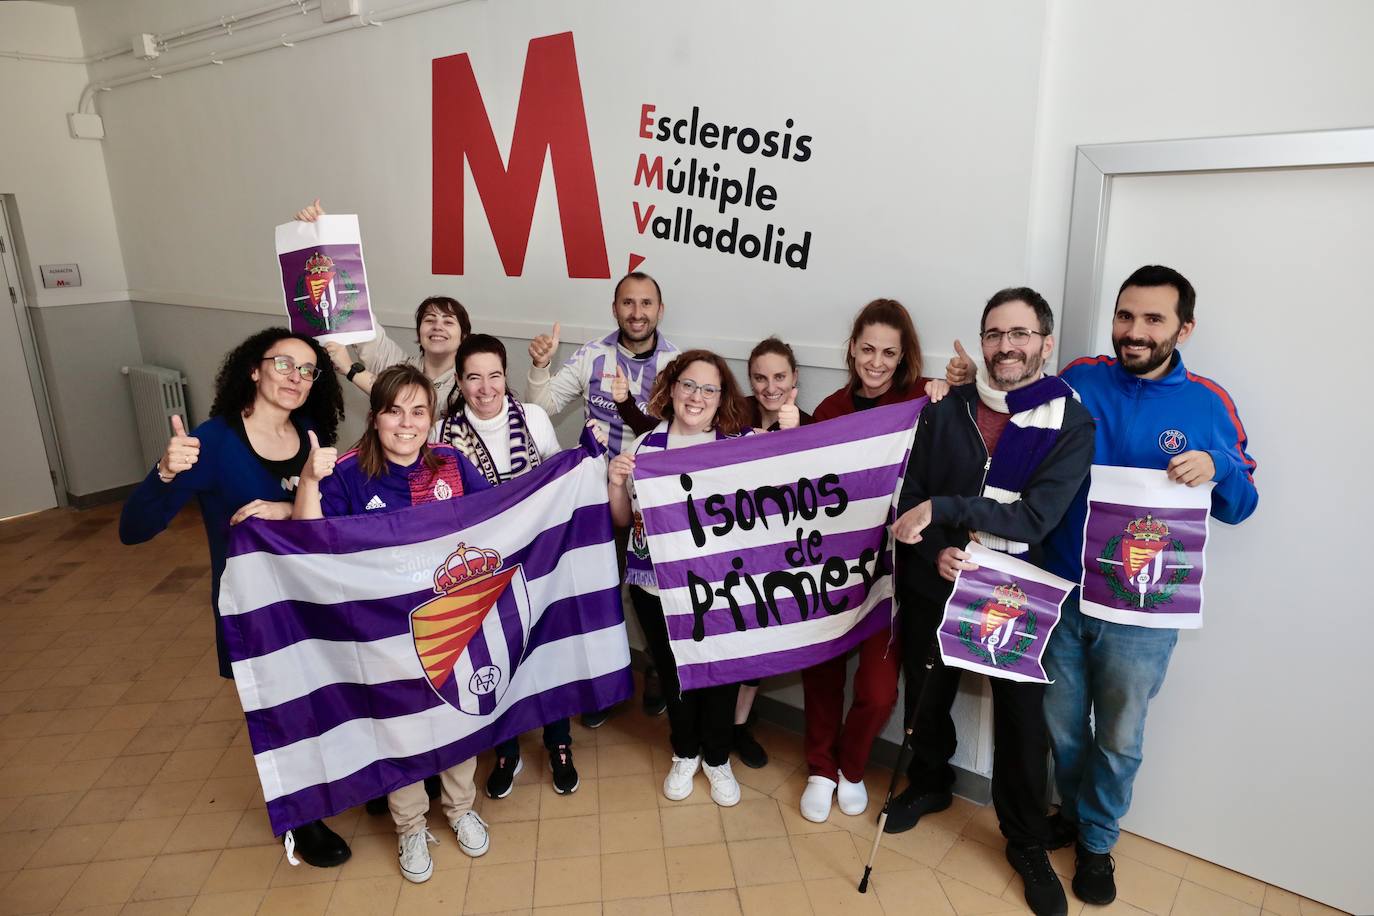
x: 324, y: 282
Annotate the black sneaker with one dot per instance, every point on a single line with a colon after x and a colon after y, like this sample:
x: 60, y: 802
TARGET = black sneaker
x: 376, y: 806
x: 910, y: 806
x: 750, y: 752
x: 655, y: 704
x: 565, y: 780
x: 1094, y: 877
x: 595, y: 719
x: 1063, y: 832
x: 502, y: 778
x: 1044, y: 893
x: 319, y: 846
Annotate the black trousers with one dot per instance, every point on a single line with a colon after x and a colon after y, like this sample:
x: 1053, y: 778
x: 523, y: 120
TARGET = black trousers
x: 1020, y: 755
x: 701, y: 721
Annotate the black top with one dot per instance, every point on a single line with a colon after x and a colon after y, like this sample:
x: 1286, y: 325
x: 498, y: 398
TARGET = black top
x: 287, y: 470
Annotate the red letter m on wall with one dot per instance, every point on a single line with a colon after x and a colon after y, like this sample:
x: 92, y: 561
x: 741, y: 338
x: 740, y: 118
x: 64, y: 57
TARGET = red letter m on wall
x: 550, y: 117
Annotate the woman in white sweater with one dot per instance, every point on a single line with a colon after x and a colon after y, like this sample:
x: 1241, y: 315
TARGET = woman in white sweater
x: 503, y: 438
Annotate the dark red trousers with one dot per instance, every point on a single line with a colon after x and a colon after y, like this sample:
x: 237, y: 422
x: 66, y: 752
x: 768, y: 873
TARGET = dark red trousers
x: 836, y: 743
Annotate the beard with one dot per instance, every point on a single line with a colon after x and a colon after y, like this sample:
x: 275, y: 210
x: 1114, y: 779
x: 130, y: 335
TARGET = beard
x: 1158, y: 354
x: 637, y: 337
x: 1012, y: 369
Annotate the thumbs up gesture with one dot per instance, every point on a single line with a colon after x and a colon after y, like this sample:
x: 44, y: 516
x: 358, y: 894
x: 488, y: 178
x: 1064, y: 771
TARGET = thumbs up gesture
x: 310, y: 213
x: 620, y: 386
x: 543, y: 347
x: 320, y: 463
x: 789, y: 417
x: 182, y: 452
x: 961, y: 368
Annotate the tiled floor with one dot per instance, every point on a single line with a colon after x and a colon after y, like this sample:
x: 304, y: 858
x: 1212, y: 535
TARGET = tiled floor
x: 127, y: 786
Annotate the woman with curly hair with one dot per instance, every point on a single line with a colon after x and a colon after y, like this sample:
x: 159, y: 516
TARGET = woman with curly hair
x: 244, y: 462
x: 699, y: 401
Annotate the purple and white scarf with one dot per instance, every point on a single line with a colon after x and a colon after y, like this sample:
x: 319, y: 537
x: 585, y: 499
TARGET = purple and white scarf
x: 458, y: 432
x: 1037, y: 415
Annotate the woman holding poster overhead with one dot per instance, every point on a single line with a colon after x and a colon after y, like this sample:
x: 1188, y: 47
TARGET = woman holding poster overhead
x: 392, y: 467
x: 441, y: 324
x: 884, y: 360
x: 699, y: 401
x: 243, y: 462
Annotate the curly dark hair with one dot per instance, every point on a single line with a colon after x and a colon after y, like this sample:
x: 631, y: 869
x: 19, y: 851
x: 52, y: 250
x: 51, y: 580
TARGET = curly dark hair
x: 235, y: 390
x: 732, y: 412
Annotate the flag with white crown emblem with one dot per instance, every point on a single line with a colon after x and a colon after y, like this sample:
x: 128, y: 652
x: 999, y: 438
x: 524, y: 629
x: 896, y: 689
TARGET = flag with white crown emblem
x: 372, y: 651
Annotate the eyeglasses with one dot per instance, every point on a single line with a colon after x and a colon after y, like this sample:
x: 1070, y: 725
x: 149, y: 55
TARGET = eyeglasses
x: 1017, y: 336
x: 707, y: 392
x: 285, y: 364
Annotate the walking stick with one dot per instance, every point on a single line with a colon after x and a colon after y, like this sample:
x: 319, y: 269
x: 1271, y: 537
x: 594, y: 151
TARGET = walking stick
x: 891, y: 790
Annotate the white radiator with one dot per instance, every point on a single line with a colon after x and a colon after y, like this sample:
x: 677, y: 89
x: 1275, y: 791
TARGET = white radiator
x: 158, y: 394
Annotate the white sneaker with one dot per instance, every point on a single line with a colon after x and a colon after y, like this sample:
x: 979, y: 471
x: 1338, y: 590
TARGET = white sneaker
x: 816, y: 800
x: 416, y: 865
x: 678, y: 784
x: 724, y: 788
x: 853, y: 796
x: 471, y: 832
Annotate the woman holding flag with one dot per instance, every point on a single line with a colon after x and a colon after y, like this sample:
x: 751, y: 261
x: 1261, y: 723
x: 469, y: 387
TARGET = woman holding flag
x: 393, y: 467
x: 270, y: 395
x: 699, y: 401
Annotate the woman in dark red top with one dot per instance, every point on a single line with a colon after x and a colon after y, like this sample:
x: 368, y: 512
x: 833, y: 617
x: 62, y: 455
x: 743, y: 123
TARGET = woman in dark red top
x: 884, y: 360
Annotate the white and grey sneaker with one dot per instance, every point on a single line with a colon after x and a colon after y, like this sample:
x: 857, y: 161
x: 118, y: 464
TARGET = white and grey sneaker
x: 678, y: 784
x: 416, y: 865
x: 471, y: 832
x: 724, y: 788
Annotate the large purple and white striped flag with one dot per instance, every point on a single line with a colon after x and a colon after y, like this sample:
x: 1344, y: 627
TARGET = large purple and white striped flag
x: 372, y: 651
x: 772, y: 552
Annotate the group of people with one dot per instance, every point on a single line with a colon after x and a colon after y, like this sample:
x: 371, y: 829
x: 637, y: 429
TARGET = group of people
x: 1002, y: 454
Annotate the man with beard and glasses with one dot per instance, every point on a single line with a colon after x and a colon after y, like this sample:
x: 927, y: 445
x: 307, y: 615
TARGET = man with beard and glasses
x: 999, y: 460
x: 1151, y: 412
x: 636, y: 352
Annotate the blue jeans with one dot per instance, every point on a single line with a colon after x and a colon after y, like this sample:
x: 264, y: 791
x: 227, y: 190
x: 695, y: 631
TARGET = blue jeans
x: 1112, y: 671
x: 556, y: 732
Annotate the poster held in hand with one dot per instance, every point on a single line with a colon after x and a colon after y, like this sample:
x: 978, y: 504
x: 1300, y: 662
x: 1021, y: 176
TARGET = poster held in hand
x: 324, y: 282
x: 999, y: 618
x: 1143, y: 545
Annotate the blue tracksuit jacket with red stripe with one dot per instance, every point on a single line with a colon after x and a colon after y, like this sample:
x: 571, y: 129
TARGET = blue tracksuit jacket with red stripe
x: 1144, y: 423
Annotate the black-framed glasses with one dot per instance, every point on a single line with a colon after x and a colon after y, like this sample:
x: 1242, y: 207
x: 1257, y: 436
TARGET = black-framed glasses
x: 286, y: 365
x: 1017, y: 336
x: 689, y: 388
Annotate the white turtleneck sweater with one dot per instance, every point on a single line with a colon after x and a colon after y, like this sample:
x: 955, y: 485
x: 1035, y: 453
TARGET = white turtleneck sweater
x: 495, y: 434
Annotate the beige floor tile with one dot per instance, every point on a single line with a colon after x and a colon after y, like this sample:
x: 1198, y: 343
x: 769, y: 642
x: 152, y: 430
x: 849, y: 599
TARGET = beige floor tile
x: 163, y: 799
x: 302, y: 900
x: 1148, y: 888
x: 517, y: 806
x: 374, y: 856
x: 230, y: 903
x: 915, y: 891
x: 630, y: 831
x: 569, y: 909
x: 661, y: 905
x: 982, y: 827
x: 888, y: 860
x: 249, y: 868
x: 706, y: 903
x: 125, y: 716
x: 566, y: 837
x: 699, y: 868
x: 1280, y: 902
x: 179, y: 875
x: 153, y: 690
x: 47, y: 749
x: 106, y: 882
x: 253, y: 829
x: 623, y: 759
x: 841, y: 895
x: 226, y: 794
x: 202, y: 831
x: 570, y: 880
x: 978, y: 865
x: 73, y: 721
x: 1313, y: 908
x: 71, y: 845
x: 131, y: 770
x: 766, y: 779
x: 970, y: 901
x: 39, y: 811
x: 1196, y: 900
x: 157, y: 739
x: 789, y: 899
x: 753, y: 820
x: 182, y: 766
x: 182, y: 712
x: 691, y: 825
x: 444, y: 892
x: 827, y: 855
x: 38, y: 890
x: 173, y: 906
x: 18, y: 846
x: 513, y: 842
x: 642, y: 873
x: 100, y: 805
x: 99, y: 745
x: 1151, y: 853
x: 586, y: 800
x: 365, y: 896
x: 500, y: 887
x: 1232, y: 884
x: 629, y: 793
x: 768, y: 860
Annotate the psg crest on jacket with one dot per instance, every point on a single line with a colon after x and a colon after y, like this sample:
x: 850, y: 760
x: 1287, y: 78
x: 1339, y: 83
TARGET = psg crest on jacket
x: 471, y: 636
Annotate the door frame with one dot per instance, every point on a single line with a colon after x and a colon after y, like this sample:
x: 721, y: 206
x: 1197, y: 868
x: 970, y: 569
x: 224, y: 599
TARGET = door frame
x: 1098, y: 164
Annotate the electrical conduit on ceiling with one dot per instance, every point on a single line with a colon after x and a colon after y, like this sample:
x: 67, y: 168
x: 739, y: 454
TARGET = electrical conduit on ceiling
x: 374, y: 18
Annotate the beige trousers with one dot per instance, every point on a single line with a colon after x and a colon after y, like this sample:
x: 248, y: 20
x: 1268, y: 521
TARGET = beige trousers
x: 459, y: 790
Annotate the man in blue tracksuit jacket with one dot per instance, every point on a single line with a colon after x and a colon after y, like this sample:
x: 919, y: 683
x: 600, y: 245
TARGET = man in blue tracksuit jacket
x: 1151, y: 412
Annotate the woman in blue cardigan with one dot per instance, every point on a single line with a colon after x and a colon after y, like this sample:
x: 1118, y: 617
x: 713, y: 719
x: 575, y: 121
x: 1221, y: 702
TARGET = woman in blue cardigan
x: 244, y: 462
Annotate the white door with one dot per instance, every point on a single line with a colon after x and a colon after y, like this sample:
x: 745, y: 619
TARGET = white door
x: 1259, y: 752
x: 25, y: 482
